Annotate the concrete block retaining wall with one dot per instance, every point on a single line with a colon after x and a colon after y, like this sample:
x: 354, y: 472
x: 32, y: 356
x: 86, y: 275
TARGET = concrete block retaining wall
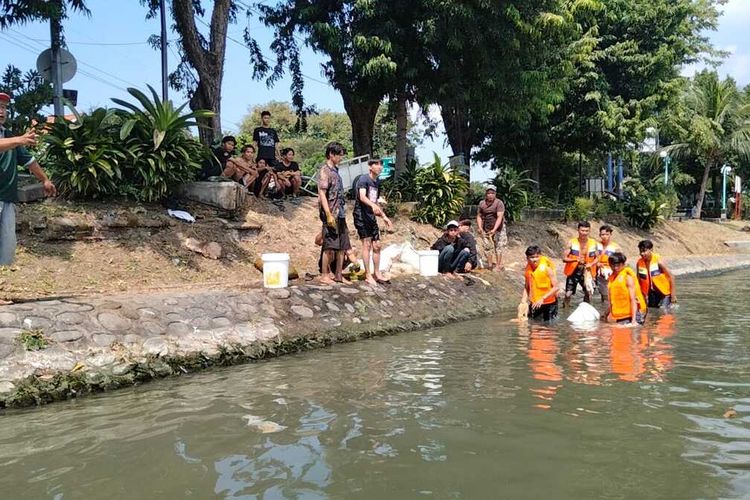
x: 99, y: 344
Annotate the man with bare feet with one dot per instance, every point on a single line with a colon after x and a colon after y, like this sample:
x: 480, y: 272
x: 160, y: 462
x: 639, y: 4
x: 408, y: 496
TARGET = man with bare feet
x: 332, y: 215
x: 491, y: 228
x: 366, y: 212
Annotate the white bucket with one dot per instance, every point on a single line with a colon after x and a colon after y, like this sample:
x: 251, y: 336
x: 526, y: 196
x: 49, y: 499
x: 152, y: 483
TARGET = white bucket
x: 428, y: 262
x: 275, y: 270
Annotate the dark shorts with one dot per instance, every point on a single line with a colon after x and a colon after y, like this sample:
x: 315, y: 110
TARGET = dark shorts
x: 548, y: 312
x: 657, y: 299
x: 336, y: 239
x: 367, y: 227
x: 575, y: 279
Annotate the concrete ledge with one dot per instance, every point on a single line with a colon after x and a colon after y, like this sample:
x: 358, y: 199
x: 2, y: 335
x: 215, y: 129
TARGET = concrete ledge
x: 30, y: 192
x: 225, y: 195
x: 738, y: 243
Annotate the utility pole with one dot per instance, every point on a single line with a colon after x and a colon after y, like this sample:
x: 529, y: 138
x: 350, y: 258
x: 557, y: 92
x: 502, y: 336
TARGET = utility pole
x: 164, y: 83
x: 55, y: 26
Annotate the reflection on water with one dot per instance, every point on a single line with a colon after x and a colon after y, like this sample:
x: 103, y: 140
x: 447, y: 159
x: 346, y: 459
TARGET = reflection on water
x: 476, y: 410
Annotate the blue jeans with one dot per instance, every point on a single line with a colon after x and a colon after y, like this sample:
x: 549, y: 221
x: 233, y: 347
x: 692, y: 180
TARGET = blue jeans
x: 449, y: 261
x: 7, y: 233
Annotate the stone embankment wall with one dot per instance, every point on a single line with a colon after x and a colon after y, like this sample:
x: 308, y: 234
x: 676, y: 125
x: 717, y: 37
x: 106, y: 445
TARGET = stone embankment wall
x: 99, y: 344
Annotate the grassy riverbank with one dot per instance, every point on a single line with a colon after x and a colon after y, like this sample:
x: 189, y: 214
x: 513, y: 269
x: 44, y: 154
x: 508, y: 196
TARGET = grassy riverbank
x: 82, y: 249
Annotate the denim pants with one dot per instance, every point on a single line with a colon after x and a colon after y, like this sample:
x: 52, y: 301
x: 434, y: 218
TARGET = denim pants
x: 449, y: 261
x: 7, y: 233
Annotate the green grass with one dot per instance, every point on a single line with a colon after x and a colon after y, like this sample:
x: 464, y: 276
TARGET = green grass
x: 33, y: 340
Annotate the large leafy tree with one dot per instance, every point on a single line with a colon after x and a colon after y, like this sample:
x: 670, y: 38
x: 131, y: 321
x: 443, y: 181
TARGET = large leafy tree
x: 713, y: 126
x: 200, y: 73
x: 30, y: 94
x: 359, y: 61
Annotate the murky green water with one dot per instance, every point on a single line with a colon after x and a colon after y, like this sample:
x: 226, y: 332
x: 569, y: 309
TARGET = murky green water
x: 476, y: 410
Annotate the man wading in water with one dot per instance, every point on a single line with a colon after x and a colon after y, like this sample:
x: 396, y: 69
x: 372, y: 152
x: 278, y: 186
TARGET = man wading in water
x: 581, y: 256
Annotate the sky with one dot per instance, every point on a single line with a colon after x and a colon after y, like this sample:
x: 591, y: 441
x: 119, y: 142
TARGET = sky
x: 112, y: 54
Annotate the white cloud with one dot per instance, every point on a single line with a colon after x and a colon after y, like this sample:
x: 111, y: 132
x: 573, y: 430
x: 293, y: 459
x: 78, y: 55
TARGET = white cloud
x: 737, y: 9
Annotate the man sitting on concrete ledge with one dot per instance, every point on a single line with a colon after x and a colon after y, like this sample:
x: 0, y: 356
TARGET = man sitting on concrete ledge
x: 464, y: 232
x: 454, y: 254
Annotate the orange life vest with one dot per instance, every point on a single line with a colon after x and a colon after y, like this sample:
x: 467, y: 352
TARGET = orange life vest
x: 592, y: 250
x: 539, y: 282
x: 619, y: 298
x: 652, y: 276
x: 604, y: 253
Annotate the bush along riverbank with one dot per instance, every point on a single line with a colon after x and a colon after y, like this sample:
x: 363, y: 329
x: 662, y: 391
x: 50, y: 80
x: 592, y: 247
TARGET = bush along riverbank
x: 58, y: 349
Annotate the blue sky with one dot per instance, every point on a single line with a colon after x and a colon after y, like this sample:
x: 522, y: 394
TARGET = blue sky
x: 112, y: 54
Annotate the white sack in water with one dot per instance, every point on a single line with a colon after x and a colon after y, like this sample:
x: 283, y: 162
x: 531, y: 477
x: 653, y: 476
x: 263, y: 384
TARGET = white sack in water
x: 584, y: 313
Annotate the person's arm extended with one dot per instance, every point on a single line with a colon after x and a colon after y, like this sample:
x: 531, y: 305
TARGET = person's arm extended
x: 664, y: 269
x: 323, y: 197
x: 36, y: 170
x: 480, y: 226
x: 27, y: 139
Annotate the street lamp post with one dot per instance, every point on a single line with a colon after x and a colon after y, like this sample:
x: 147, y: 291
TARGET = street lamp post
x: 667, y: 159
x: 725, y: 170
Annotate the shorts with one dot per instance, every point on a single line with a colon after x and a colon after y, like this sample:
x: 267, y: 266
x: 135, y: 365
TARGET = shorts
x: 657, y: 299
x: 336, y: 239
x: 548, y: 312
x: 575, y: 279
x: 640, y: 318
x: 367, y: 227
x: 495, y: 244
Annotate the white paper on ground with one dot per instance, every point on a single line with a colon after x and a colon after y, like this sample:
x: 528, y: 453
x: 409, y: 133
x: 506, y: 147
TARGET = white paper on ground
x: 181, y: 214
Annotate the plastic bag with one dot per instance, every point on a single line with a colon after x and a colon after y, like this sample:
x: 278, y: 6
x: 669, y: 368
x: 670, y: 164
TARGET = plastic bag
x: 584, y: 313
x: 409, y: 256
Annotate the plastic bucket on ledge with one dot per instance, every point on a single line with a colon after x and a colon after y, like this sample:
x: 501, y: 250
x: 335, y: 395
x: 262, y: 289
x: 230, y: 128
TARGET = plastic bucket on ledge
x: 275, y: 270
x: 428, y: 262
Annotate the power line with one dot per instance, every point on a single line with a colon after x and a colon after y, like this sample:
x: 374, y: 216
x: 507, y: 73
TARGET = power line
x: 95, y: 43
x: 79, y: 61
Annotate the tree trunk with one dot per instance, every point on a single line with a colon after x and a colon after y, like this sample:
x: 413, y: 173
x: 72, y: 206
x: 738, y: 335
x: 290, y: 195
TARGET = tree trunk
x: 206, y: 59
x: 401, y: 130
x: 361, y: 114
x: 702, y: 191
x: 458, y: 129
x: 535, y: 171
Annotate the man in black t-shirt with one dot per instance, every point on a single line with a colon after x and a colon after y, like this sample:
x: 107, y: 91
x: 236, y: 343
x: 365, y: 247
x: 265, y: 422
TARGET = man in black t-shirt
x: 366, y: 211
x: 213, y: 167
x: 266, y: 141
x: 288, y: 172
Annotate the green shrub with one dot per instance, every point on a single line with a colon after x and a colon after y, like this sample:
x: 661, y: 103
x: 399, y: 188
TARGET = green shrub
x: 642, y: 209
x: 513, y: 188
x: 33, y: 340
x: 605, y: 207
x: 164, y: 153
x: 85, y: 158
x: 441, y: 192
x: 580, y: 209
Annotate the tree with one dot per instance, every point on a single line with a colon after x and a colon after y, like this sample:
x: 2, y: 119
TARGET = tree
x: 714, y: 126
x: 201, y: 70
x: 30, y: 94
x: 359, y: 60
x: 14, y: 12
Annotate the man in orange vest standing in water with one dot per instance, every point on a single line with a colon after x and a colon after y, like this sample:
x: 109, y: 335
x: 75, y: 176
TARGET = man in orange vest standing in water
x: 581, y: 255
x: 540, y: 289
x: 657, y: 282
x: 626, y: 302
x: 606, y: 248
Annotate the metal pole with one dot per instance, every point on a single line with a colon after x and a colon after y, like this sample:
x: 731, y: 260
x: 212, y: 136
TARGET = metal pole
x: 724, y: 191
x: 619, y: 177
x: 609, y: 172
x: 164, y: 81
x: 666, y: 169
x: 55, y: 28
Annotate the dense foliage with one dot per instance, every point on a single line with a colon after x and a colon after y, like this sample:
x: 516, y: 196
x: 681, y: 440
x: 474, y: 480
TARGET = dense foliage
x: 143, y: 151
x: 441, y: 192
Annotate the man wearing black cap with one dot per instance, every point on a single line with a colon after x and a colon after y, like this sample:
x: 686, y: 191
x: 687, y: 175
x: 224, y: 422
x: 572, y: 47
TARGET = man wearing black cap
x: 491, y: 228
x: 13, y: 153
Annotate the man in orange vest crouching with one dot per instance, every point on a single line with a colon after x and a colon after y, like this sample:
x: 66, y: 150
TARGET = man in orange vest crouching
x: 657, y: 282
x: 581, y: 257
x: 540, y: 290
x: 626, y: 302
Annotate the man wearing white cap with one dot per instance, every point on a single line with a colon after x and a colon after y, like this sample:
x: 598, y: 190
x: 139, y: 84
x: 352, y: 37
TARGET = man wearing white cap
x: 13, y: 153
x: 453, y: 251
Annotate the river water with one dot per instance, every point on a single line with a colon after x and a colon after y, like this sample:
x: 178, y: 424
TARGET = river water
x: 482, y: 409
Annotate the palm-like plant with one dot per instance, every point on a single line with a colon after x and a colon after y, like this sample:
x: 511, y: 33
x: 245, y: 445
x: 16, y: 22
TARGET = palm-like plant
x: 166, y: 153
x: 513, y: 187
x: 715, y: 126
x: 441, y: 192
